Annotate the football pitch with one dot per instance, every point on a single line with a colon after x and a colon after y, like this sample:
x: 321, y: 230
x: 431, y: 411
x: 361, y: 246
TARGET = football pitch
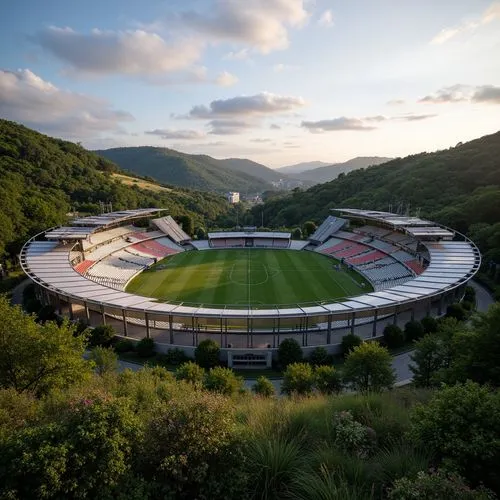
x: 257, y: 277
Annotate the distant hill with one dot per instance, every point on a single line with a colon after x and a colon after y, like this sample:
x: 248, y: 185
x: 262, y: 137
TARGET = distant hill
x: 192, y: 171
x: 330, y: 172
x: 297, y: 168
x: 250, y: 167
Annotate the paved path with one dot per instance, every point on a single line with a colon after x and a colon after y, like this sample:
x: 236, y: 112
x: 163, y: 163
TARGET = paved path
x: 17, y: 292
x: 483, y: 296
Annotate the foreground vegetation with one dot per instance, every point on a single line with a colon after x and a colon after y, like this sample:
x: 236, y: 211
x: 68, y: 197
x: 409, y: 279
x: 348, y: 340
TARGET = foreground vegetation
x: 71, y: 428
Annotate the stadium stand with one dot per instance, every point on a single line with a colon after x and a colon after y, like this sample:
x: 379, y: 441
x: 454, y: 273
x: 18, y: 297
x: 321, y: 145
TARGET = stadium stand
x: 415, y: 266
x: 365, y: 258
x: 83, y: 266
x: 113, y: 272
x: 169, y: 227
x: 330, y: 226
x: 200, y: 244
x: 298, y: 245
x: 279, y: 243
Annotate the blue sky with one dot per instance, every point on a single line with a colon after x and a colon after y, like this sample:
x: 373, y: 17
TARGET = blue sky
x: 277, y: 81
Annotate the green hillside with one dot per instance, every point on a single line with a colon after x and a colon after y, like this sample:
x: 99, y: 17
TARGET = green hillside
x: 251, y: 167
x: 181, y: 169
x: 42, y: 179
x: 330, y: 172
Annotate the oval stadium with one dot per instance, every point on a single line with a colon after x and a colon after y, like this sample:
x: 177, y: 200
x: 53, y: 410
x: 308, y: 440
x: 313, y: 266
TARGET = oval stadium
x: 248, y: 290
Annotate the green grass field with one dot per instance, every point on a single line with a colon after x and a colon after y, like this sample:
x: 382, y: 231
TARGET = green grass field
x: 258, y: 277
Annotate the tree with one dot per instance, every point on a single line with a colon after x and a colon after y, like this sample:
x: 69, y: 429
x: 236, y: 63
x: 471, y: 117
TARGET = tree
x: 319, y: 356
x: 190, y: 372
x: 298, y: 378
x: 38, y: 358
x: 413, y: 331
x: 368, y: 368
x: 349, y: 342
x: 145, y: 348
x: 289, y: 352
x: 429, y: 357
x: 200, y: 232
x: 456, y: 311
x: 393, y: 336
x: 223, y: 380
x: 207, y: 353
x: 429, y: 324
x: 327, y: 380
x: 187, y: 224
x: 101, y: 335
x: 263, y: 387
x: 309, y: 228
x: 297, y: 234
x: 460, y: 426
x: 83, y: 453
x: 105, y: 359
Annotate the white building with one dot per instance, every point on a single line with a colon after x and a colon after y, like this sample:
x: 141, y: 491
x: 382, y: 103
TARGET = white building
x: 233, y: 197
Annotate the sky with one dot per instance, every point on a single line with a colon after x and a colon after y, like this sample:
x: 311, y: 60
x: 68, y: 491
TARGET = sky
x: 275, y: 81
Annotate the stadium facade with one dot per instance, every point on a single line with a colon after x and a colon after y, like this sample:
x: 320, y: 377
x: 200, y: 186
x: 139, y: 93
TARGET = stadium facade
x: 416, y: 268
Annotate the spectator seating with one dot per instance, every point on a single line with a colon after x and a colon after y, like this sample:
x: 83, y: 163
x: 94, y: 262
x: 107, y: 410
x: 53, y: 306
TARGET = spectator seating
x: 169, y: 227
x: 280, y: 243
x: 415, y: 266
x: 330, y: 226
x: 365, y: 258
x: 83, y: 266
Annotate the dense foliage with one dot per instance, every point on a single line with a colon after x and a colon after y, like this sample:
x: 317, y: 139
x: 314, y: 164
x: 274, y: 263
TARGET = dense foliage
x: 42, y: 179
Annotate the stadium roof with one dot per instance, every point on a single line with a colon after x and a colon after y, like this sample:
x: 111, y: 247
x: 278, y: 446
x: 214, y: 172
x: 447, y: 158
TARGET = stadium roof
x: 253, y: 234
x: 83, y: 226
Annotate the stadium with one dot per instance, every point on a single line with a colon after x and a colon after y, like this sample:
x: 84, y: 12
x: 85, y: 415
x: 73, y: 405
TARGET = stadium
x: 248, y: 290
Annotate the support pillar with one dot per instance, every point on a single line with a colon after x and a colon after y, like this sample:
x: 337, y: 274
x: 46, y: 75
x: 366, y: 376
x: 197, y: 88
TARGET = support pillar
x: 87, y: 312
x: 171, y: 328
x: 103, y: 314
x: 146, y: 319
x: 71, y: 313
x: 329, y: 330
x: 353, y: 320
x: 125, y: 326
x: 374, y: 326
x: 395, y: 317
x: 412, y: 317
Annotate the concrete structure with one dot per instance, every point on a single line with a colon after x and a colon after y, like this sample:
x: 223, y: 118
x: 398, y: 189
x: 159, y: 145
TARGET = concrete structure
x: 241, y: 329
x: 233, y: 197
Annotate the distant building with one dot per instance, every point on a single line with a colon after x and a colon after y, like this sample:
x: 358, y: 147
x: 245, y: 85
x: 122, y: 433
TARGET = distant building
x: 233, y: 197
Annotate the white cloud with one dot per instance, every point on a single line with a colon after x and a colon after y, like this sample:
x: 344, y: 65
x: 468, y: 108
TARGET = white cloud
x: 490, y: 14
x: 336, y: 124
x: 27, y: 98
x: 120, y: 52
x: 228, y: 126
x: 259, y: 104
x: 238, y: 55
x: 326, y: 18
x: 226, y: 79
x: 262, y: 24
x: 168, y: 134
x: 280, y: 68
x: 488, y: 94
x: 396, y: 102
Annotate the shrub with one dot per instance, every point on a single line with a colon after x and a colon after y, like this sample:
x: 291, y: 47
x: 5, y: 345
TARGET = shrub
x: 319, y: 356
x: 429, y: 324
x: 289, y: 352
x: 393, y: 336
x: 145, y: 348
x: 175, y: 357
x: 105, y: 360
x: 349, y: 342
x: 349, y: 435
x: 124, y: 346
x: 470, y: 294
x: 460, y: 425
x: 327, y: 380
x: 413, y: 330
x: 298, y: 379
x: 263, y: 387
x: 438, y: 485
x: 207, y: 353
x: 223, y: 380
x: 101, y: 335
x: 456, y: 311
x: 190, y: 372
x: 369, y: 368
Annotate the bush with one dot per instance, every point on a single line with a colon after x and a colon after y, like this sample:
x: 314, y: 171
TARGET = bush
x: 105, y: 359
x: 349, y: 342
x: 298, y: 379
x: 175, y: 357
x: 263, y: 387
x: 289, y: 352
x: 207, y: 354
x: 429, y: 324
x: 223, y: 380
x: 413, y: 330
x: 460, y: 425
x: 393, y: 336
x: 438, y: 485
x: 470, y: 294
x: 190, y: 372
x: 456, y: 311
x: 145, y: 348
x: 319, y: 356
x: 124, y: 346
x: 101, y: 335
x: 349, y: 435
x: 327, y: 380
